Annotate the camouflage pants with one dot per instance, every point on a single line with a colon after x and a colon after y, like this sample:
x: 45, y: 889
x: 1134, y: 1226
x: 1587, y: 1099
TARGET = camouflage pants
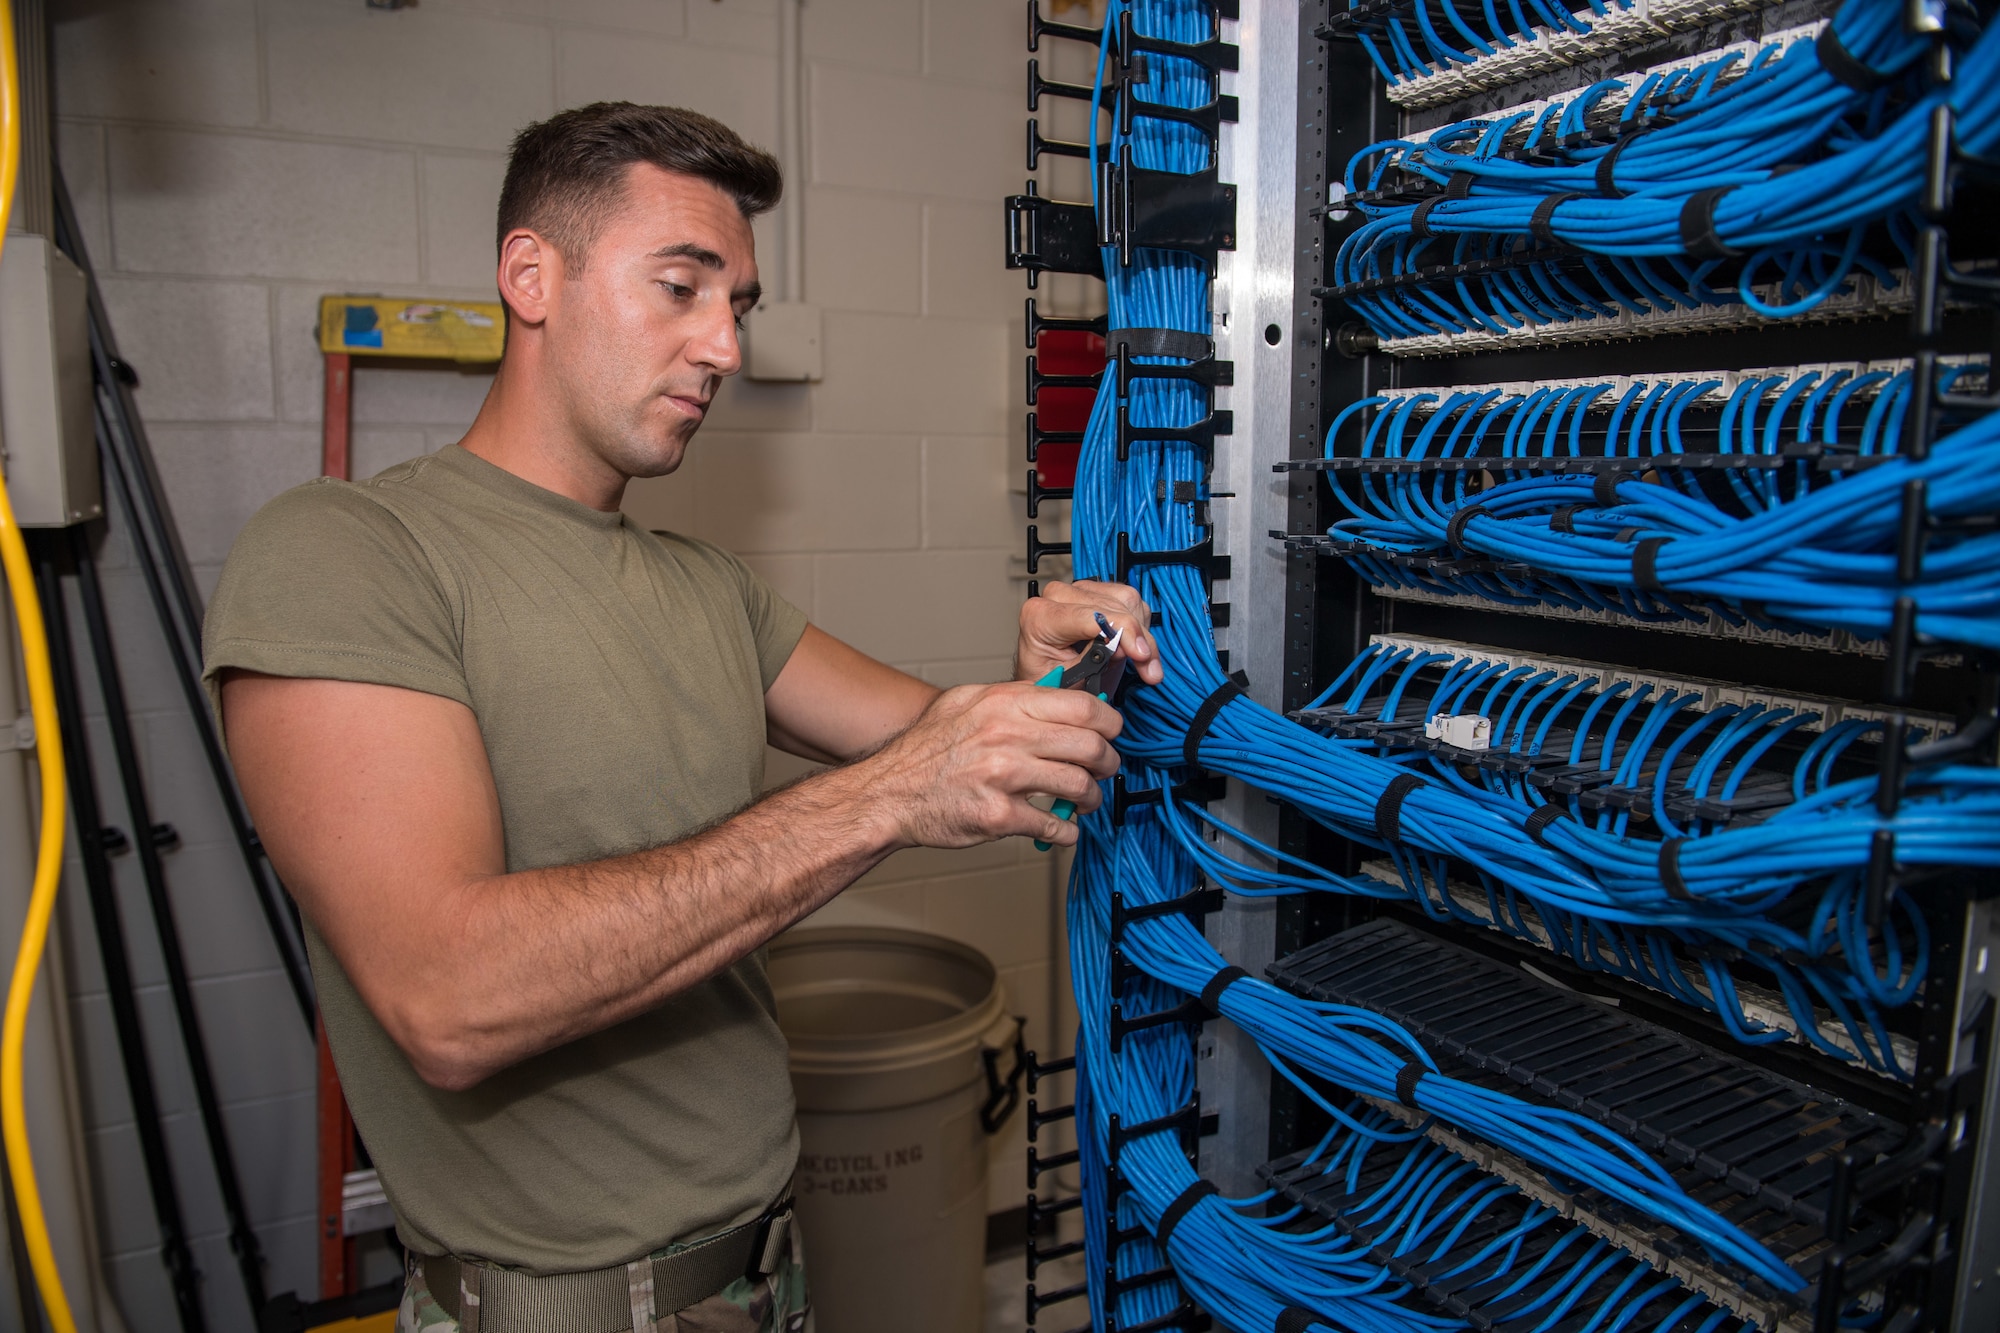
x: 779, y: 1303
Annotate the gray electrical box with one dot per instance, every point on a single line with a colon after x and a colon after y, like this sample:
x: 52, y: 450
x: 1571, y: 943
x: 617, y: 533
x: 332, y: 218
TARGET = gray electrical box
x: 46, y: 439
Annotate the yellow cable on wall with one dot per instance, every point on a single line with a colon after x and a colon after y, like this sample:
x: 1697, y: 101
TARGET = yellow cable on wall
x: 48, y: 751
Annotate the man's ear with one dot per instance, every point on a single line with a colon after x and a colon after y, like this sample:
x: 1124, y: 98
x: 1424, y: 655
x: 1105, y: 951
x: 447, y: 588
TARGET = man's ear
x: 530, y: 269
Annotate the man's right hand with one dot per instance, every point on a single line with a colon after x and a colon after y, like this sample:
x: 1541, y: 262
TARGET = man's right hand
x: 962, y: 773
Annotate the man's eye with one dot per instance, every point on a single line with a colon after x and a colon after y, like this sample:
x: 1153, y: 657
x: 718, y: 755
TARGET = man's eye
x: 678, y: 292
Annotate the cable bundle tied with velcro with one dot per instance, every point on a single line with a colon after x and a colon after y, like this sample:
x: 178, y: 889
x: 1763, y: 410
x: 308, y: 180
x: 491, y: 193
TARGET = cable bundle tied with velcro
x: 1539, y: 820
x: 1604, y: 487
x: 1407, y: 1079
x: 1646, y: 564
x: 1670, y: 870
x: 1842, y: 65
x: 1564, y: 518
x: 1389, y: 810
x: 1204, y: 718
x: 1183, y: 1204
x: 1542, y: 224
x: 1297, y: 1319
x: 1607, y: 166
x: 1211, y: 994
x: 1420, y: 219
x: 1454, y: 530
x: 1698, y: 235
x: 1162, y: 342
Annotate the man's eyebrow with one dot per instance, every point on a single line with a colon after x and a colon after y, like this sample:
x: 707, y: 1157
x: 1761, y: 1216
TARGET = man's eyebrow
x: 700, y: 254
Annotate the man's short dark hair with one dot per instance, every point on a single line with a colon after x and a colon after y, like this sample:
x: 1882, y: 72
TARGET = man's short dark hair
x: 566, y: 172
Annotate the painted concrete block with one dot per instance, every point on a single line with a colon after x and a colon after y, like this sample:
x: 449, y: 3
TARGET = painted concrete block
x: 864, y: 251
x: 770, y: 493
x: 661, y: 18
x: 968, y: 482
x: 377, y: 450
x: 80, y: 158
x: 970, y: 671
x: 877, y: 34
x: 1003, y: 913
x: 901, y: 606
x: 749, y: 24
x: 791, y: 576
x: 976, y: 43
x: 738, y: 88
x: 231, y: 205
x: 461, y: 197
x: 965, y: 275
x: 223, y: 374
x: 431, y: 395
x: 217, y: 477
x: 415, y: 75
x: 936, y: 376
x: 880, y: 131
x: 194, y: 62
x: 743, y: 405
x: 272, y: 1058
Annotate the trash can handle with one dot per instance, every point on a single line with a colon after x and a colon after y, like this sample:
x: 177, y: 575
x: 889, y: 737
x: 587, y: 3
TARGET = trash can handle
x: 1003, y: 1094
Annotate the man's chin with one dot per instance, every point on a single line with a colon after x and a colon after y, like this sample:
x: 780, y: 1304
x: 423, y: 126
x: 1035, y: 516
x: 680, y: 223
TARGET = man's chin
x: 655, y: 458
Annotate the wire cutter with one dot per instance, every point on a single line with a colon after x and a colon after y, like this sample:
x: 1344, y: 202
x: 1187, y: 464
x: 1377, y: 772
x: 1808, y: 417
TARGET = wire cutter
x: 1098, y: 671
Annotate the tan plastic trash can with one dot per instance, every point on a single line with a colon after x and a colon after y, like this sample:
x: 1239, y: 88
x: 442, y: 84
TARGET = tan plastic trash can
x: 898, y: 1045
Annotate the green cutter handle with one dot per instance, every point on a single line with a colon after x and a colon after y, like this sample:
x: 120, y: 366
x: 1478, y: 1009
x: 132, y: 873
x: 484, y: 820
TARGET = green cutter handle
x: 1064, y: 808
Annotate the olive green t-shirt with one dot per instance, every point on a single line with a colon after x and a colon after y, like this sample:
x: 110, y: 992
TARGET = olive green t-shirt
x: 618, y: 679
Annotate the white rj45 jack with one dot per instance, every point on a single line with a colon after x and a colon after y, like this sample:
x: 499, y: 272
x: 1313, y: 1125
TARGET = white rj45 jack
x: 1464, y: 731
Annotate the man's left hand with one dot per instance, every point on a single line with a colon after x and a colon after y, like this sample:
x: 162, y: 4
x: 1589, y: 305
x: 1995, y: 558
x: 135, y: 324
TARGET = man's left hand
x: 1066, y: 614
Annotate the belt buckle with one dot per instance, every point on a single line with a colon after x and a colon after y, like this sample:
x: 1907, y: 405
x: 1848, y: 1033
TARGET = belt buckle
x: 760, y: 1239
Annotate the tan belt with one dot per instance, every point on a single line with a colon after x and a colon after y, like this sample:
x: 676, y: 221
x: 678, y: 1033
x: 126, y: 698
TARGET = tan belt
x: 606, y: 1300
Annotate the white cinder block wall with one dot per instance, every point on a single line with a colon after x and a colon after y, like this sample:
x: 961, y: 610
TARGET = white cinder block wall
x: 234, y: 160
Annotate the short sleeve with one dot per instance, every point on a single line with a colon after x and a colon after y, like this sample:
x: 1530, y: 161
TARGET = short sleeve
x: 324, y: 583
x: 775, y: 624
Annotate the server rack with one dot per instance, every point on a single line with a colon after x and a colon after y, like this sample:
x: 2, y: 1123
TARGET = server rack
x: 1878, y: 1191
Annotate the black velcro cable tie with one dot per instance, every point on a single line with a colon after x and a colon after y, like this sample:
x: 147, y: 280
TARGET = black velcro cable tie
x: 1211, y: 994
x: 1182, y: 1205
x: 1389, y: 810
x: 1460, y: 185
x: 1607, y: 167
x: 1541, y: 817
x: 1164, y: 342
x: 1297, y: 1319
x: 1698, y: 236
x: 1670, y: 870
x: 1604, y: 490
x: 1624, y: 534
x: 1646, y: 564
x: 1407, y: 1079
x: 1844, y: 66
x: 1454, y: 531
x: 1204, y: 717
x: 1420, y: 221
x: 1564, y: 519
x: 1542, y: 225
x: 1241, y: 677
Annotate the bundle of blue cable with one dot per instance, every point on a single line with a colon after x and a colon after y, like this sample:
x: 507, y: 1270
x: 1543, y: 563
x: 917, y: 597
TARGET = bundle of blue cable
x: 1504, y: 29
x: 1249, y: 1269
x: 1788, y: 165
x: 1798, y: 552
x: 1824, y: 557
x: 1827, y: 963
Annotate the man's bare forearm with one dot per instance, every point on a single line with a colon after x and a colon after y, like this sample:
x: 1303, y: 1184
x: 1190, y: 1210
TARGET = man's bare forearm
x: 536, y: 958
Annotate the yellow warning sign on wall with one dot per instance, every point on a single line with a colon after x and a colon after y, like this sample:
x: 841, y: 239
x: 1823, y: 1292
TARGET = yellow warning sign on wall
x: 469, y: 331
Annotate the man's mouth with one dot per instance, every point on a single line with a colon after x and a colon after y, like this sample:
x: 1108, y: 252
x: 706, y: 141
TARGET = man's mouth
x: 694, y: 407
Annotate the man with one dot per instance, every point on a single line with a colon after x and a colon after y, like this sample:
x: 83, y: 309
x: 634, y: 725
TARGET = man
x: 506, y: 751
